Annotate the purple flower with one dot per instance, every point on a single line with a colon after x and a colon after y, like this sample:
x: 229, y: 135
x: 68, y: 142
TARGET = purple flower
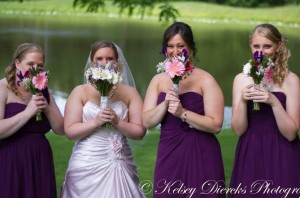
x: 258, y: 57
x: 164, y: 52
x: 21, y: 76
x: 185, y: 54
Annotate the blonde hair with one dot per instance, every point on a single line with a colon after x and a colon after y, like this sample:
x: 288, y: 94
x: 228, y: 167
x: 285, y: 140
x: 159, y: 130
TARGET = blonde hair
x: 282, y: 55
x: 20, y: 54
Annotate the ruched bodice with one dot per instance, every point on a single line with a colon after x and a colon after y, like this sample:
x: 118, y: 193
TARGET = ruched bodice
x: 102, y: 164
x: 32, y: 126
x: 192, y: 101
x: 264, y: 116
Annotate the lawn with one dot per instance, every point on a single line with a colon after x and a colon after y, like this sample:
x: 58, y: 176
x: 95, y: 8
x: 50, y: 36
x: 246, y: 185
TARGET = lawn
x: 144, y: 155
x: 192, y: 10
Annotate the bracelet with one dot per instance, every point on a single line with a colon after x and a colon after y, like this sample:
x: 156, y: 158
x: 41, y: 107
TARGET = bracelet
x: 184, y: 115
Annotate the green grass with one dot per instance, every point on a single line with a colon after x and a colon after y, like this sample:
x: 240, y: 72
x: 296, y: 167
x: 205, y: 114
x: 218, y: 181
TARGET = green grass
x: 191, y: 11
x: 144, y: 155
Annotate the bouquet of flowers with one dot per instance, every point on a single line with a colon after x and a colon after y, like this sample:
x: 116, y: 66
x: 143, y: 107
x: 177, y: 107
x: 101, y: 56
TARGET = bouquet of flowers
x: 34, y: 80
x: 104, y: 77
x: 175, y: 67
x: 260, y: 69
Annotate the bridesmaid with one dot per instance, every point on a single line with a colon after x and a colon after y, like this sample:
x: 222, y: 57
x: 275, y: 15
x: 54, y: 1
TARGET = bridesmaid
x: 26, y: 162
x: 268, y: 151
x: 189, y: 157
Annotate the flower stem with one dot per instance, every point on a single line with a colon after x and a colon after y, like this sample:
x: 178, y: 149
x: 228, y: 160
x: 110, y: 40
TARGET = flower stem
x: 256, y: 106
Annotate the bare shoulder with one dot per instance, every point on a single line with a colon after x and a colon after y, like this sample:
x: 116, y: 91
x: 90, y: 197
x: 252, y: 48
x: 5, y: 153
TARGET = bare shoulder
x: 206, y: 78
x: 242, y: 79
x: 127, y: 94
x: 3, y: 82
x: 160, y: 77
x: 83, y: 88
x: 292, y: 78
x: 82, y: 91
x: 3, y: 85
x: 4, y: 90
x: 291, y: 82
x: 126, y: 89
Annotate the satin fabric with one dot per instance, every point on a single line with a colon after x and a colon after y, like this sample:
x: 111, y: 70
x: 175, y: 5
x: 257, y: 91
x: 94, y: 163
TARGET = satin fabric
x: 102, y: 164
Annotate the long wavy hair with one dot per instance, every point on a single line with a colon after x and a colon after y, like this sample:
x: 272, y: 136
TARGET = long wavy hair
x: 282, y: 55
x: 20, y: 54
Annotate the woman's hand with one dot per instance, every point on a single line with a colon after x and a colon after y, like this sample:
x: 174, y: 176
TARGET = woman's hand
x: 36, y: 104
x: 174, y: 104
x: 171, y: 95
x: 109, y: 115
x: 40, y: 101
x: 246, y: 92
x: 175, y: 108
x: 260, y: 94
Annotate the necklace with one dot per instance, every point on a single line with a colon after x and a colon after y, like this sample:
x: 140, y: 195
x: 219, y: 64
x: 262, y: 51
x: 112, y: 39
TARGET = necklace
x: 112, y: 91
x: 187, y: 73
x: 24, y: 99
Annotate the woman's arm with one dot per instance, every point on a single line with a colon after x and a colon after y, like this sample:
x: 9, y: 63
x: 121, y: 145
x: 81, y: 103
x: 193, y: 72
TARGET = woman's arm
x: 213, y: 100
x: 153, y: 114
x: 11, y: 125
x: 134, y: 128
x: 73, y: 125
x: 55, y: 117
x: 240, y: 96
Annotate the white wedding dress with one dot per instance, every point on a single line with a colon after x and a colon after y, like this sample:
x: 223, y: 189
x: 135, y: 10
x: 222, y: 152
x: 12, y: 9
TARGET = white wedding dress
x: 102, y: 164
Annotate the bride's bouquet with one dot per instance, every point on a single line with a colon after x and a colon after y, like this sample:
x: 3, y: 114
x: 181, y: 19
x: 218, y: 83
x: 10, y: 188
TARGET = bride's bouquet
x: 175, y: 67
x: 104, y: 77
x: 260, y: 69
x: 34, y: 80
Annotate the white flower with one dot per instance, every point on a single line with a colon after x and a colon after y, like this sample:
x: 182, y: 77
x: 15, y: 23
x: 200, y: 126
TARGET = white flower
x: 106, y: 75
x: 26, y: 82
x: 261, y: 69
x: 96, y: 73
x: 246, y: 69
x: 160, y: 67
x: 115, y: 78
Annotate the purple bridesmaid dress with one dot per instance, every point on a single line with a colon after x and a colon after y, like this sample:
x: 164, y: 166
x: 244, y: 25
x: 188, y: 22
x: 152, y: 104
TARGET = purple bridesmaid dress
x: 189, y: 161
x: 26, y: 162
x: 266, y: 163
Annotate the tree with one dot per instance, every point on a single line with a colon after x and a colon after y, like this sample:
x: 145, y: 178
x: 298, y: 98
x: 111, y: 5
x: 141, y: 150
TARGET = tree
x: 167, y: 11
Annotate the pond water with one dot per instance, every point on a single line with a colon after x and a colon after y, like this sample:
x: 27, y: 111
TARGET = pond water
x: 222, y: 47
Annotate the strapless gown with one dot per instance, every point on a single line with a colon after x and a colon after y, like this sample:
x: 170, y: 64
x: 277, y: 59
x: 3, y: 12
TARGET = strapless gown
x: 189, y: 161
x: 102, y: 164
x: 26, y: 161
x: 264, y: 159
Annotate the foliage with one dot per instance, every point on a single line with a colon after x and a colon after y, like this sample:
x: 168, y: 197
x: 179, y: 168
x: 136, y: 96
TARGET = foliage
x: 92, y: 5
x: 167, y: 11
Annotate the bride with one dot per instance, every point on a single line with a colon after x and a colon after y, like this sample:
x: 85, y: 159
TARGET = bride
x: 102, y: 163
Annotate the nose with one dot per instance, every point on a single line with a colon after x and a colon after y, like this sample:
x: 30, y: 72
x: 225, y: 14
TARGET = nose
x: 175, y: 51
